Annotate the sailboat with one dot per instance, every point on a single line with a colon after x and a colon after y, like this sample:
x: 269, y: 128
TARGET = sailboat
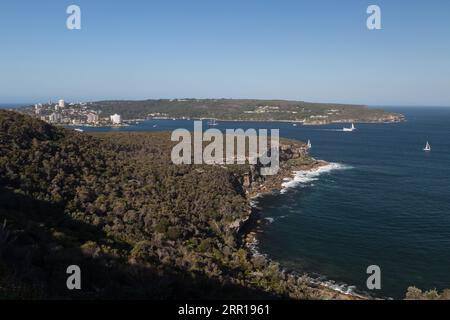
x: 212, y: 123
x: 351, y: 129
x: 309, y: 144
x: 427, y: 147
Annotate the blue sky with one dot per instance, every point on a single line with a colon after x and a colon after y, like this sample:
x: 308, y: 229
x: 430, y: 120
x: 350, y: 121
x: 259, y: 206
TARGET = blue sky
x: 308, y: 50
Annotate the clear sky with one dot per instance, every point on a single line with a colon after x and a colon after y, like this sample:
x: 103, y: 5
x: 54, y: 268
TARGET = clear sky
x: 310, y: 50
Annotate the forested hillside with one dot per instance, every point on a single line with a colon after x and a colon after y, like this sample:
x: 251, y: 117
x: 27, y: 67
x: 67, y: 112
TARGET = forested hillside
x: 138, y: 226
x: 246, y: 109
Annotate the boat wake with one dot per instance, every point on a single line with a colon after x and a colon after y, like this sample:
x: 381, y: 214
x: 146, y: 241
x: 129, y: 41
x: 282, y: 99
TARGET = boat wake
x: 307, y: 176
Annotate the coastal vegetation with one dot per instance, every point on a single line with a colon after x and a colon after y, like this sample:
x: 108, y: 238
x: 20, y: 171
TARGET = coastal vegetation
x: 138, y: 226
x: 245, y: 109
x: 414, y: 293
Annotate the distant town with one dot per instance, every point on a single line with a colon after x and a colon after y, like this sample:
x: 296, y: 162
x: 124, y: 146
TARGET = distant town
x: 73, y: 114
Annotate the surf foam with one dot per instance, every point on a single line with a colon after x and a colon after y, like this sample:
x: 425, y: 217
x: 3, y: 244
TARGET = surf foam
x: 307, y: 176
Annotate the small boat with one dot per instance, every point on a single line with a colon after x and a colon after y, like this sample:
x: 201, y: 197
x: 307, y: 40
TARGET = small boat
x: 427, y: 147
x: 351, y: 129
x: 212, y: 123
x: 155, y: 125
x: 79, y: 130
x: 294, y: 124
x: 309, y: 144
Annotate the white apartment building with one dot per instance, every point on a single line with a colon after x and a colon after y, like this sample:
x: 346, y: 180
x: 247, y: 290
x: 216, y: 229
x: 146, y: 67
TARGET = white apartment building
x: 92, y: 118
x: 116, y: 119
x: 55, y: 117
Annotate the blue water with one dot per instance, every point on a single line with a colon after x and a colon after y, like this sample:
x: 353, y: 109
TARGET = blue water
x: 389, y: 207
x: 12, y: 105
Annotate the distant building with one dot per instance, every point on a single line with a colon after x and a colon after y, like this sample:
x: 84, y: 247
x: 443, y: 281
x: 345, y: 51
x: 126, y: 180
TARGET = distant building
x: 116, y: 119
x: 55, y: 117
x: 61, y: 103
x: 92, y: 118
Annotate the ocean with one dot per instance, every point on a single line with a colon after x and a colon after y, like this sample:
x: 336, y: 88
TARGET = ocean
x: 383, y: 201
x: 13, y: 105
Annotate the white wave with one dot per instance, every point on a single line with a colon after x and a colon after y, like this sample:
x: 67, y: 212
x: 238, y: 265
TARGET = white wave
x: 254, y: 248
x: 342, y: 288
x: 254, y: 203
x: 306, y: 176
x: 269, y: 219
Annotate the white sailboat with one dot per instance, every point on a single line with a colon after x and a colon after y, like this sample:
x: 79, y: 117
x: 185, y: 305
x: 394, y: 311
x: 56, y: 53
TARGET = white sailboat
x: 79, y: 130
x: 351, y: 129
x: 427, y: 147
x: 309, y: 144
x: 212, y: 123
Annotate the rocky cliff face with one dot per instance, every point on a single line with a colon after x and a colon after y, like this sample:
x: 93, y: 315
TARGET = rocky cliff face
x: 289, y: 150
x: 249, y: 182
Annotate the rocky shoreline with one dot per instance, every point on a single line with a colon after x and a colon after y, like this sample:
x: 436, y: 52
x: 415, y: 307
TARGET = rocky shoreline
x: 298, y: 161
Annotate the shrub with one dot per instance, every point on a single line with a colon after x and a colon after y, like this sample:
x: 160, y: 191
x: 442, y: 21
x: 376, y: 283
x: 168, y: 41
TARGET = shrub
x: 141, y: 250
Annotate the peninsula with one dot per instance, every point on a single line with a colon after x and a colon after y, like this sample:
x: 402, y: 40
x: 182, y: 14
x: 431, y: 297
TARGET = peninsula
x: 139, y: 226
x: 246, y: 110
x: 307, y: 113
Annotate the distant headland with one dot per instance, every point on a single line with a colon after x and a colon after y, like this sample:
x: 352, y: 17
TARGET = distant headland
x: 308, y: 113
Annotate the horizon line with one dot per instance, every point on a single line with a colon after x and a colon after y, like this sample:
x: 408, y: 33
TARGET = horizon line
x: 5, y: 104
